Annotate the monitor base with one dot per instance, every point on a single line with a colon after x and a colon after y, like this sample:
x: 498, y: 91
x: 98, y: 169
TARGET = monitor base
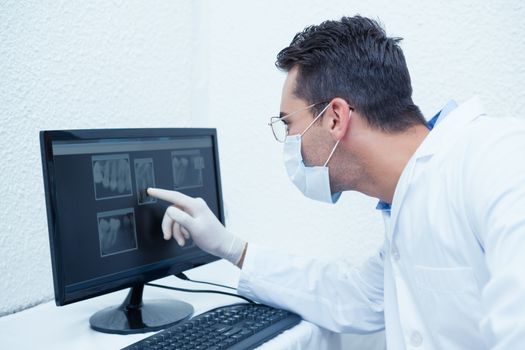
x: 135, y: 317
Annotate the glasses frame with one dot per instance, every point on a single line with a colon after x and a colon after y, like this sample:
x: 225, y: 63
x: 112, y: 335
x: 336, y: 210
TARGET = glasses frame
x: 276, y: 119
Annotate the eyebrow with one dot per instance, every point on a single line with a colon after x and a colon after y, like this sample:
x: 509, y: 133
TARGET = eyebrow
x: 282, y: 114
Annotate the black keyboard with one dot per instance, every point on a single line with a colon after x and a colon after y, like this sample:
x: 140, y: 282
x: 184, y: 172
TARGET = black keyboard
x: 232, y: 327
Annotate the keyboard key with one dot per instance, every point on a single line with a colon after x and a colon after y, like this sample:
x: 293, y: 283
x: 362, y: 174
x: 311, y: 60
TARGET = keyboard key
x: 223, y: 329
x: 232, y: 332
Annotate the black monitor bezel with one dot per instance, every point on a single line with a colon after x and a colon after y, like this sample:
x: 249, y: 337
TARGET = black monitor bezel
x: 46, y: 139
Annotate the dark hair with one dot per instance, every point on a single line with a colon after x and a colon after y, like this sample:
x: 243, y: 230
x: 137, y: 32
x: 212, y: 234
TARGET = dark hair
x: 354, y: 59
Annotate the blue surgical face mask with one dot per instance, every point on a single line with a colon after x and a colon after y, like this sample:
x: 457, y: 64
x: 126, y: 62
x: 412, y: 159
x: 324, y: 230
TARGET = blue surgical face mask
x: 312, y: 181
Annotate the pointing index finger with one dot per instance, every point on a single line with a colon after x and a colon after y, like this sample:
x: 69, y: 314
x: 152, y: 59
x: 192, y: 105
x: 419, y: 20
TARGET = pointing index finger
x: 174, y: 197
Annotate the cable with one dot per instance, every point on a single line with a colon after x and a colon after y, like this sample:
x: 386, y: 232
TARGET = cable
x: 200, y: 291
x: 182, y: 276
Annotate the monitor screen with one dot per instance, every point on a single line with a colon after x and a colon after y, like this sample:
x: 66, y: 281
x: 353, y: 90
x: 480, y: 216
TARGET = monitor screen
x: 105, y: 231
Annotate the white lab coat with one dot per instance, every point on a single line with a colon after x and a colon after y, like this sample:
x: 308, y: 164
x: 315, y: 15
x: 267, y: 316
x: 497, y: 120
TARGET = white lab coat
x: 451, y: 272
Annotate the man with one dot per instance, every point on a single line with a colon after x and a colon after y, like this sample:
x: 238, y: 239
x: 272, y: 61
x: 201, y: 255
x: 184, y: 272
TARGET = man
x: 450, y: 272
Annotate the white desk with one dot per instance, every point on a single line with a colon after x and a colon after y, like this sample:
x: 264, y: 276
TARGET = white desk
x: 47, y: 326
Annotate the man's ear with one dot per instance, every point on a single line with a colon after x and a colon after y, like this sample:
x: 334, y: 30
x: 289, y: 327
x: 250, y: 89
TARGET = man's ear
x: 339, y: 118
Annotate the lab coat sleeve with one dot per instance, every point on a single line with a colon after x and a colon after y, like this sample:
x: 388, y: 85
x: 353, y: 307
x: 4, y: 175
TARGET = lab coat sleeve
x: 496, y: 198
x: 333, y: 295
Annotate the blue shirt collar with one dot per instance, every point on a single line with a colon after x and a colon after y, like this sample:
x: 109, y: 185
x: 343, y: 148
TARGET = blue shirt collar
x: 447, y: 108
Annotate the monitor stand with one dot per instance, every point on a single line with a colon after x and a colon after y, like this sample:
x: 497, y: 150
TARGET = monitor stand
x: 135, y: 317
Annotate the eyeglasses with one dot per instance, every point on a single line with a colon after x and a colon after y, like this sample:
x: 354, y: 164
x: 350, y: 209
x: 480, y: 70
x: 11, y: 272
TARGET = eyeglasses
x: 280, y: 128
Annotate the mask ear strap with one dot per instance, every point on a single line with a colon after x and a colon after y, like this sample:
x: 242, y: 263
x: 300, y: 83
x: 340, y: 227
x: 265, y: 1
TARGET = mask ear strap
x: 315, y: 119
x: 331, y: 153
x: 337, y: 143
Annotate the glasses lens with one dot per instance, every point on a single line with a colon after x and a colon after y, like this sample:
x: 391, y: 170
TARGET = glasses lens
x: 279, y: 129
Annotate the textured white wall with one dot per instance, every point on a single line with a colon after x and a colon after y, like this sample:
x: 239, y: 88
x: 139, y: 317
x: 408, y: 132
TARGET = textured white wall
x: 80, y: 64
x: 210, y: 63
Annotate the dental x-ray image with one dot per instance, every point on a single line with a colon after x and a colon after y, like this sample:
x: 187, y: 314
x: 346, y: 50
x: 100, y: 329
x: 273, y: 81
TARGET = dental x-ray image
x: 144, y: 178
x: 187, y: 169
x: 111, y: 176
x: 116, y: 231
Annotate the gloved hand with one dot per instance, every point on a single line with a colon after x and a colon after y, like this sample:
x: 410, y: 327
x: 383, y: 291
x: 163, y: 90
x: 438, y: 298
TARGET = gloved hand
x: 191, y: 217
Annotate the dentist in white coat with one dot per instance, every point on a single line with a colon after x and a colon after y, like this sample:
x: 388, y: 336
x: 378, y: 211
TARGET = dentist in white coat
x: 451, y: 272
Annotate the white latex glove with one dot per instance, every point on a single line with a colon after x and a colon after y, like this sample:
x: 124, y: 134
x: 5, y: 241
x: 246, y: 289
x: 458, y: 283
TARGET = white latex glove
x: 191, y: 217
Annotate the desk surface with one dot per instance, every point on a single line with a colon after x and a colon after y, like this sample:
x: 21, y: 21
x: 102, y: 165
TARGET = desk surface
x: 67, y: 327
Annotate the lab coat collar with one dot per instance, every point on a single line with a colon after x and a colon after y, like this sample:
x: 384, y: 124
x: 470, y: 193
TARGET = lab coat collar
x: 445, y: 129
x: 440, y: 138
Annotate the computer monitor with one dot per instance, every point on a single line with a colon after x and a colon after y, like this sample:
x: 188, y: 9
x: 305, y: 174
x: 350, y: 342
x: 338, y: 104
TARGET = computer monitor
x: 105, y: 231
